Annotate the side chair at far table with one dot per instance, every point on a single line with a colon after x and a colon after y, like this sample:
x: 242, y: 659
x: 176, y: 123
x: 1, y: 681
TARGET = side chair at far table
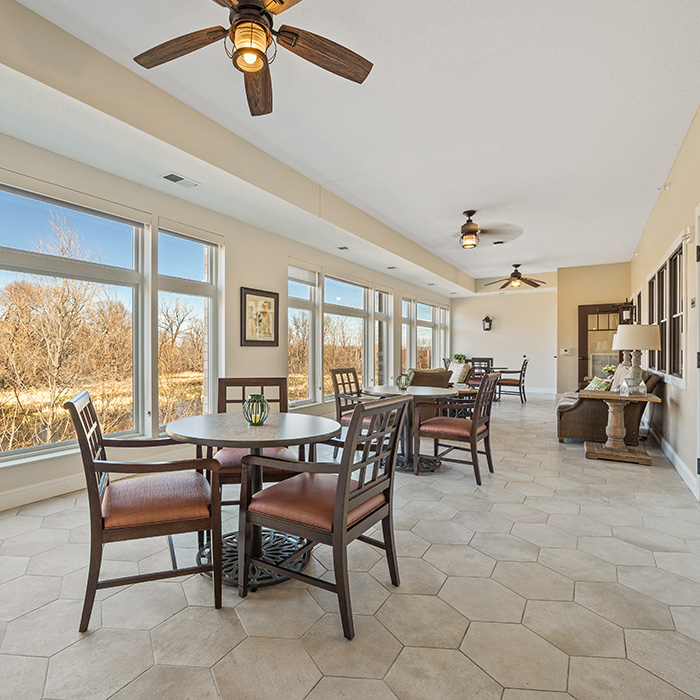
x: 166, y: 498
x: 329, y: 503
x: 466, y: 430
x: 514, y: 385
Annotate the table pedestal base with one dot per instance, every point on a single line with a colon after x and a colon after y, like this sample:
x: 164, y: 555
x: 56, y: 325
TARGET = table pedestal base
x: 425, y: 464
x: 276, y: 547
x: 601, y: 450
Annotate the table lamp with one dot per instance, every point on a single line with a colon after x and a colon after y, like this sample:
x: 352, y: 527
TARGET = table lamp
x: 636, y: 338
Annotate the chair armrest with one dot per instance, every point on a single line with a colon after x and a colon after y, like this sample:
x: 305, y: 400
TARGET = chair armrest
x: 509, y: 371
x: 140, y: 442
x: 104, y: 465
x: 355, y: 398
x: 289, y: 466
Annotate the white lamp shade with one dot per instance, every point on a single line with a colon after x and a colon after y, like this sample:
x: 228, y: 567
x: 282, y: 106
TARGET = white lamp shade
x: 636, y: 337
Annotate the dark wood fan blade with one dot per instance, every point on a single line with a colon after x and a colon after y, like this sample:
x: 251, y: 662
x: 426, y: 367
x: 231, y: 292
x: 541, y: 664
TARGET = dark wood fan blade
x: 180, y: 46
x: 227, y: 3
x: 488, y: 284
x: 276, y: 7
x: 532, y: 283
x: 324, y: 53
x: 532, y: 279
x: 258, y: 90
x: 504, y: 285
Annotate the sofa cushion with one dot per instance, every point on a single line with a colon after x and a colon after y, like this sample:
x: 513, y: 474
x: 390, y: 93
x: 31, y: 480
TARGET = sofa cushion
x: 459, y: 370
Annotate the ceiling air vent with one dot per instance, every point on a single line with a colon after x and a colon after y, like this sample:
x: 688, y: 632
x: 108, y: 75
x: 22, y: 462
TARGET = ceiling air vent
x: 180, y: 180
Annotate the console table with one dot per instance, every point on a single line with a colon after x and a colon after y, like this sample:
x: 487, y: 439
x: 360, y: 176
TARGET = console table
x: 615, y: 448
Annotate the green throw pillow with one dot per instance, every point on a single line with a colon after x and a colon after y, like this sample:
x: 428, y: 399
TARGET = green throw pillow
x: 599, y: 384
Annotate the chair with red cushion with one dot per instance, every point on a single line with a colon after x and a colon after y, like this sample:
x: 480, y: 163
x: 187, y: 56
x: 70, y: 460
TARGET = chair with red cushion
x: 232, y: 393
x: 514, y: 385
x: 470, y: 430
x: 347, y: 392
x: 329, y: 503
x: 481, y: 366
x: 166, y: 498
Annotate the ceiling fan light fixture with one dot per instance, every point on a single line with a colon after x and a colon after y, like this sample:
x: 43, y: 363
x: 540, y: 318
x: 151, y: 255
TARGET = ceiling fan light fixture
x: 469, y: 240
x: 250, y: 41
x: 515, y: 283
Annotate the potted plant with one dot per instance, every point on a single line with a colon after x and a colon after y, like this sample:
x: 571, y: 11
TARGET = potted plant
x: 459, y: 357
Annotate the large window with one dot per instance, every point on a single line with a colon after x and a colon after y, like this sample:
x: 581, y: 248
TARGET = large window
x: 75, y: 314
x: 345, y: 317
x: 187, y: 291
x: 301, y: 291
x: 382, y: 343
x: 424, y: 335
x: 666, y: 308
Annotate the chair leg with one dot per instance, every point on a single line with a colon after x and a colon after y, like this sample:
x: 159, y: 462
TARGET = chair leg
x: 390, y: 544
x: 487, y: 449
x: 342, y: 583
x: 171, y: 547
x: 245, y: 542
x: 216, y: 554
x: 435, y: 448
x: 93, y: 578
x: 475, y: 463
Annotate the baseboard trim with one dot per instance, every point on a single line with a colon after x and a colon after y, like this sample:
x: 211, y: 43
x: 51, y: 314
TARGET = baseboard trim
x: 688, y: 475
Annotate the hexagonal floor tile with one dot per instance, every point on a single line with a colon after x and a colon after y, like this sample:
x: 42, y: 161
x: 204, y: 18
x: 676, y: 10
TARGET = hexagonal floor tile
x: 350, y: 689
x: 47, y: 630
x: 544, y: 535
x: 366, y: 594
x: 623, y: 606
x: 613, y: 679
x: 12, y: 567
x: 533, y: 581
x: 21, y: 595
x: 616, y: 551
x: 574, y: 629
x: 459, y: 560
x: 266, y: 669
x: 143, y: 606
x: 504, y: 547
x: 34, y: 542
x: 669, y: 655
x: 577, y: 565
x: 172, y: 683
x: 409, y: 544
x: 430, y: 510
x: 648, y: 538
x: 98, y: 665
x: 579, y: 525
x: 512, y: 694
x: 687, y: 621
x: 197, y: 637
x: 369, y: 655
x: 423, y: 621
x: 660, y: 584
x: 361, y: 556
x: 687, y: 565
x: 416, y: 576
x: 519, y: 512
x: 482, y: 599
x: 60, y: 561
x: 22, y: 677
x: 516, y: 657
x: 443, y: 532
x: 287, y: 613
x: 419, y: 674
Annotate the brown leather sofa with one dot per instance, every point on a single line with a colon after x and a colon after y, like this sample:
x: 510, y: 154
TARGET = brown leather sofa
x: 586, y: 419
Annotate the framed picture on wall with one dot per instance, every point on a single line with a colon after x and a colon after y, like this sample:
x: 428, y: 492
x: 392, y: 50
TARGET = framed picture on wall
x: 259, y: 317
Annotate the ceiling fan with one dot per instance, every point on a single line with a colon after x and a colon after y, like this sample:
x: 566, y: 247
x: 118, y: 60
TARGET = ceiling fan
x: 516, y: 279
x: 251, y: 34
x: 498, y: 233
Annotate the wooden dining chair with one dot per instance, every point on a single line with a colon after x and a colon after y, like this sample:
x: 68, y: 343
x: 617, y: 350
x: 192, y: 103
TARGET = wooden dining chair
x: 514, y: 385
x: 166, y: 498
x: 329, y: 503
x: 347, y: 392
x: 470, y: 430
x: 481, y: 366
x: 232, y: 393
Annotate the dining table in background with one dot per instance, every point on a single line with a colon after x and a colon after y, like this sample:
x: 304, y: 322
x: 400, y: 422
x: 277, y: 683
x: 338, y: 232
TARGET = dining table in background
x: 219, y: 430
x: 419, y: 394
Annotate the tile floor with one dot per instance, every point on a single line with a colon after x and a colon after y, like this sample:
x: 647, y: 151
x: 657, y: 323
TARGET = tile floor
x: 558, y: 578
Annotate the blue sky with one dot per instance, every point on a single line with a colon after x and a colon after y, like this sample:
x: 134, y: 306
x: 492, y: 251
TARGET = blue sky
x: 25, y: 221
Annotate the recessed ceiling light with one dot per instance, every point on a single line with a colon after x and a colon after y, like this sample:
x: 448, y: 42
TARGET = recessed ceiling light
x: 431, y: 284
x: 343, y: 247
x: 391, y: 267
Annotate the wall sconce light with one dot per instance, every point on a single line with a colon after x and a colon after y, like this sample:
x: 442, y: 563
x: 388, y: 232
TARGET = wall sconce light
x: 486, y: 323
x: 627, y: 312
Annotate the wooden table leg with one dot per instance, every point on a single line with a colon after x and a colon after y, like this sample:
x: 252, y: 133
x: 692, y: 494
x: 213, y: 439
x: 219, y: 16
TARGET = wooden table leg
x: 615, y: 429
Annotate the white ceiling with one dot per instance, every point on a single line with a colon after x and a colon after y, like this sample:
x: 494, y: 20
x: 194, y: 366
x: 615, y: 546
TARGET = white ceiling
x: 562, y: 117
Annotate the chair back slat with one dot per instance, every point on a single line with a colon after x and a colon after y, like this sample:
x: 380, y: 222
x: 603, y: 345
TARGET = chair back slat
x: 233, y: 392
x: 481, y: 366
x: 345, y: 381
x: 90, y: 440
x: 484, y: 399
x: 523, y: 369
x: 369, y: 454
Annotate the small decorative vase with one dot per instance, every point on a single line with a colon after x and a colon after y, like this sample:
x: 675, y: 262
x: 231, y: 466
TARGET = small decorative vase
x: 256, y: 409
x: 402, y: 381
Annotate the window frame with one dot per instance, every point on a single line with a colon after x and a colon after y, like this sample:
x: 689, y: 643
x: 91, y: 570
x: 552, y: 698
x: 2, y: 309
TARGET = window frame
x: 146, y: 283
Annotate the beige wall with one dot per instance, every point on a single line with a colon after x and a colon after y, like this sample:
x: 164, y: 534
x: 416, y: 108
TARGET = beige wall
x: 576, y: 286
x: 676, y: 420
x: 523, y: 324
x: 252, y: 258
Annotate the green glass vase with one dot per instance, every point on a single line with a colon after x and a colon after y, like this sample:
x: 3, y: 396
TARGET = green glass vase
x: 256, y: 409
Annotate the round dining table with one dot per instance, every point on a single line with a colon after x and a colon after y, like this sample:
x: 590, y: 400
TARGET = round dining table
x: 219, y: 430
x: 419, y: 394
